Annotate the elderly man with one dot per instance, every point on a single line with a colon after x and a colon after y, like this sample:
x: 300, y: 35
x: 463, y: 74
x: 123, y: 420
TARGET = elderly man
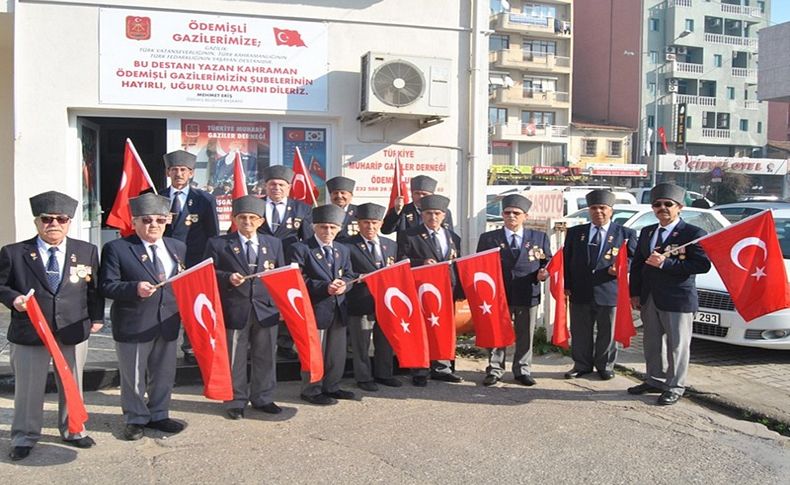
x: 145, y: 319
x: 430, y: 243
x: 663, y: 289
x: 326, y: 268
x: 524, y: 255
x: 194, y: 216
x: 63, y: 272
x: 250, y: 315
x: 401, y: 217
x: 341, y: 193
x: 591, y: 250
x: 369, y: 252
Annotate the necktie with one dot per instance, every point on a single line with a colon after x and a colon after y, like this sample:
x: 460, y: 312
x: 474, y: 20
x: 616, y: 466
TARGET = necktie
x: 436, y: 244
x: 53, y: 270
x: 252, y: 257
x: 175, y: 207
x: 330, y: 258
x: 514, y: 245
x: 594, y: 247
x: 275, y: 222
x: 160, y: 269
x: 375, y: 254
x: 660, y: 238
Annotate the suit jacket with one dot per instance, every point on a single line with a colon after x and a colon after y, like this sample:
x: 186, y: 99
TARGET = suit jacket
x: 415, y: 244
x: 71, y: 309
x: 125, y: 263
x: 360, y: 301
x: 196, y: 223
x: 350, y: 225
x: 238, y: 301
x: 317, y: 276
x: 594, y: 284
x: 673, y: 286
x: 408, y: 218
x: 297, y: 225
x: 520, y: 273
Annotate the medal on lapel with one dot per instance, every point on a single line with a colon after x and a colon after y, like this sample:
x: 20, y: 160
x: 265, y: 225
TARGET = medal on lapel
x: 33, y: 256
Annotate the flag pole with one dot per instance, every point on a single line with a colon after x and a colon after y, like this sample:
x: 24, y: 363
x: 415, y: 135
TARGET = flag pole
x: 269, y: 271
x: 706, y: 236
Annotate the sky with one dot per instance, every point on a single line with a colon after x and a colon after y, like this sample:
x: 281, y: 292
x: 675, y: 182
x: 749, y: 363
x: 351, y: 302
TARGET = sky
x: 780, y: 11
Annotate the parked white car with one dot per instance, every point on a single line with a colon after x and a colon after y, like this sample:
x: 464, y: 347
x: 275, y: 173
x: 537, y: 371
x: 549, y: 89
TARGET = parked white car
x: 637, y: 216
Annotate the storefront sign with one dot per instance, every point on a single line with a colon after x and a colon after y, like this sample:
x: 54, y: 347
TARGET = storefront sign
x: 149, y: 57
x: 545, y: 204
x: 704, y: 164
x: 617, y: 169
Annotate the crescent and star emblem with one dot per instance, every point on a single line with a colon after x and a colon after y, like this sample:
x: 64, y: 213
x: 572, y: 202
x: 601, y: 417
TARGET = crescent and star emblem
x: 202, y: 302
x: 735, y: 252
x: 485, y: 278
x: 292, y: 295
x: 299, y: 180
x: 431, y: 289
x: 282, y: 37
x: 396, y: 293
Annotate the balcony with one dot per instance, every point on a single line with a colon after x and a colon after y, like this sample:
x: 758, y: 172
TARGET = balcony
x: 530, y: 132
x: 741, y: 10
x: 748, y: 73
x: 679, y: 3
x: 686, y: 68
x: 519, y: 97
x: 531, y: 25
x: 731, y: 40
x: 715, y: 133
x: 751, y: 104
x: 696, y: 100
x: 518, y: 59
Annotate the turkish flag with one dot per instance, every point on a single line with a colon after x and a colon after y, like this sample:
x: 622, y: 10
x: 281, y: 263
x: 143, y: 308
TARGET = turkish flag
x: 662, y: 134
x: 287, y: 288
x: 749, y: 260
x: 624, y: 327
x: 239, y: 184
x: 399, y: 187
x: 481, y: 278
x: 556, y: 268
x: 288, y: 37
x: 435, y: 295
x: 302, y: 186
x: 398, y: 313
x: 134, y: 181
x: 198, y: 302
x: 75, y: 408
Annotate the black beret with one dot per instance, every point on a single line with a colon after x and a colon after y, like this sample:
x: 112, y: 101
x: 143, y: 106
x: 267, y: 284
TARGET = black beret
x: 280, y: 172
x: 340, y: 183
x: 248, y: 204
x: 518, y: 201
x: 600, y: 197
x: 149, y: 204
x: 328, y: 214
x: 53, y: 203
x: 668, y: 191
x: 371, y: 211
x: 423, y: 183
x: 180, y: 158
x: 434, y: 202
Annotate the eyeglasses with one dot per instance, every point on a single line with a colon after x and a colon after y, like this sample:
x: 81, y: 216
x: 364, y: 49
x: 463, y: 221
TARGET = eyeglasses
x: 48, y: 219
x: 512, y: 213
x: 666, y: 204
x: 150, y: 220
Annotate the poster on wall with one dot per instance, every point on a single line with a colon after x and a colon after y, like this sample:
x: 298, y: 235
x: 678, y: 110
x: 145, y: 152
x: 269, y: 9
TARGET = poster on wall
x: 312, y: 145
x: 151, y: 57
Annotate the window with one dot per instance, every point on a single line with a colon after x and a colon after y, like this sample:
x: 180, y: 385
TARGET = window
x: 653, y: 24
x: 651, y: 121
x: 688, y: 122
x: 690, y: 25
x: 498, y: 42
x: 538, y: 117
x: 713, y: 25
x: 653, y: 57
x: 615, y: 148
x: 538, y: 85
x: 497, y: 116
x: 759, y: 127
x: 708, y: 119
x: 723, y: 121
x: 730, y: 92
x: 533, y: 47
x: 589, y: 148
x: 716, y: 60
x: 744, y: 125
x: 651, y: 88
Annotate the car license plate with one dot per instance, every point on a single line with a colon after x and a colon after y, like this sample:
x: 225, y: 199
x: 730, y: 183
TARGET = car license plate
x: 707, y: 317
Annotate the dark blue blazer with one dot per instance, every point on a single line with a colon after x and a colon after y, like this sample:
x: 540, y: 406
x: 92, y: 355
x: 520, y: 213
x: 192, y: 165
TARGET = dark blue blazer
x: 125, y: 263
x: 238, y: 301
x: 350, y: 225
x: 415, y: 244
x: 594, y: 285
x: 196, y: 223
x: 297, y: 225
x: 409, y: 218
x: 672, y: 286
x: 70, y: 310
x: 360, y: 301
x: 520, y: 273
x: 317, y: 277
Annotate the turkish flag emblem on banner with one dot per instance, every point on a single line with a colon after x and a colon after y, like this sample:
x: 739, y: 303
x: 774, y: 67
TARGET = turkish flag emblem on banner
x: 288, y: 37
x: 399, y: 187
x: 749, y: 260
x: 134, y: 181
x: 481, y: 278
x: 287, y: 288
x: 239, y: 184
x: 556, y: 268
x: 398, y: 313
x: 302, y: 186
x: 624, y: 327
x: 435, y: 294
x: 75, y: 408
x: 198, y: 302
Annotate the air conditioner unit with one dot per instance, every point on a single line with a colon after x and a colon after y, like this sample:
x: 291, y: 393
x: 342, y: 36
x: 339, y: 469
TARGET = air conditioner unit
x: 670, y: 57
x: 682, y: 50
x: 670, y: 49
x: 672, y: 85
x: 404, y: 86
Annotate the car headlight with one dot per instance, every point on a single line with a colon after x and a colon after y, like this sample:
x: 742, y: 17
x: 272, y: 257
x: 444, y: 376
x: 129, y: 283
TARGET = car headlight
x: 775, y: 334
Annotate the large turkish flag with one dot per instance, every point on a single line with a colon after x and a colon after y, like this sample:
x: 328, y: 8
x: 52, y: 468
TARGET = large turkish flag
x: 556, y: 268
x: 435, y: 295
x: 624, y: 327
x: 134, y: 181
x: 239, y: 184
x: 302, y: 186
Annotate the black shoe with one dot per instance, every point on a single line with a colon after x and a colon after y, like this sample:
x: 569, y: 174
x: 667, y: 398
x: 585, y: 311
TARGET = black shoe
x: 19, y: 452
x: 419, y: 381
x: 319, y: 399
x: 446, y: 377
x: 526, y: 380
x: 133, y: 432
x: 644, y: 388
x: 189, y: 358
x: 576, y: 373
x: 606, y: 375
x: 235, y: 413
x: 668, y: 398
x: 287, y: 353
x: 341, y: 394
x: 490, y: 380
x: 389, y: 381
x: 369, y: 386
x: 269, y: 408
x: 84, y: 442
x: 166, y: 425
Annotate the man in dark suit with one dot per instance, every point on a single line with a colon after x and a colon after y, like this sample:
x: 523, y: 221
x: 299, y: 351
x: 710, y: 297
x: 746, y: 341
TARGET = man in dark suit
x: 145, y: 319
x: 326, y: 268
x: 591, y: 284
x: 369, y: 252
x: 431, y: 243
x: 250, y: 315
x: 401, y: 217
x: 194, y: 216
x: 524, y: 254
x: 663, y: 289
x: 63, y: 272
x: 341, y: 193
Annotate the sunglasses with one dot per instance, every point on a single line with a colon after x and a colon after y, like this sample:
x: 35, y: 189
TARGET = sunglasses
x: 150, y: 220
x: 513, y: 213
x: 666, y: 204
x: 49, y: 219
